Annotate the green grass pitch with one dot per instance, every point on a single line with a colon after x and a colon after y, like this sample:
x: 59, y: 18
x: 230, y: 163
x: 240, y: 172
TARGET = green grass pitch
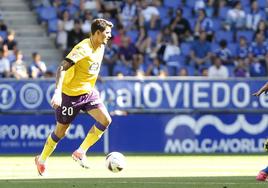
x: 212, y: 171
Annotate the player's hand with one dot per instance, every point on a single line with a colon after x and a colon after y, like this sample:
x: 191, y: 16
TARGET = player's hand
x: 56, y: 99
x: 263, y: 89
x: 265, y: 146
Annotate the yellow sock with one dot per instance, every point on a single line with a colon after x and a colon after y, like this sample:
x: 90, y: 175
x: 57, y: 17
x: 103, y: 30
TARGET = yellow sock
x: 93, y: 135
x: 49, y: 147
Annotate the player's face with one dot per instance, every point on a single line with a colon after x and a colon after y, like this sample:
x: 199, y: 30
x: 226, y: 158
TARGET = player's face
x: 105, y: 35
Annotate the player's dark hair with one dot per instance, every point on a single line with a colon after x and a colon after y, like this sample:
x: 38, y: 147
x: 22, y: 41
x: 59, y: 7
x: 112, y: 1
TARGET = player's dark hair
x: 100, y: 24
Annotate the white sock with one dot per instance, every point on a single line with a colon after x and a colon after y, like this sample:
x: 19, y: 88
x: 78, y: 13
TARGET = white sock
x: 80, y: 150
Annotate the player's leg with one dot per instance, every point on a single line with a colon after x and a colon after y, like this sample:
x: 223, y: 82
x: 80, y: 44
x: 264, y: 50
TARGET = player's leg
x: 263, y: 174
x: 50, y: 145
x: 103, y: 120
x: 64, y: 116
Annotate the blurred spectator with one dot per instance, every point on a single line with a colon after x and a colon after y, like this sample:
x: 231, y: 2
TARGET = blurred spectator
x: 236, y: 17
x: 203, y: 23
x: 157, y: 68
x: 204, y: 72
x: 164, y: 38
x: 110, y: 57
x: 61, y: 37
x: 86, y: 25
x: 118, y: 37
x: 4, y: 65
x: 94, y: 6
x: 3, y: 26
x: 19, y: 68
x: 254, y: 17
x: 257, y: 69
x: 242, y: 49
x: 75, y: 35
x: 258, y: 49
x: 127, y: 51
x: 137, y: 66
x: 37, y: 68
x: 210, y: 8
x: 224, y: 53
x: 181, y: 26
x: 128, y: 15
x: 11, y: 42
x: 149, y: 15
x: 240, y: 69
x: 183, y: 72
x: 218, y: 70
x: 199, y: 4
x: 66, y: 21
x: 143, y: 43
x: 262, y: 28
x: 200, y: 53
x: 71, y: 8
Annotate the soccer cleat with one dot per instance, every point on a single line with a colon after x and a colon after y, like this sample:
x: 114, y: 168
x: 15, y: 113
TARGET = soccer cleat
x: 41, y: 168
x: 262, y: 176
x: 80, y: 158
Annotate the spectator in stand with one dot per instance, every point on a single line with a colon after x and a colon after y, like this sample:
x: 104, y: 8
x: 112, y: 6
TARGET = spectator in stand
x: 203, y: 23
x: 181, y: 26
x: 94, y: 6
x: 19, y: 68
x: 149, y: 15
x: 71, y: 8
x: 126, y: 52
x: 11, y: 42
x: 143, y: 43
x: 66, y: 21
x: 61, y: 37
x: 157, y: 68
x: 165, y: 36
x: 128, y: 15
x: 204, y: 72
x: 218, y: 70
x: 210, y: 8
x: 240, y: 69
x: 118, y: 37
x: 253, y: 18
x: 183, y: 72
x: 262, y: 28
x: 200, y: 53
x: 3, y: 26
x: 258, y: 50
x: 236, y: 17
x: 137, y: 66
x: 75, y: 35
x: 4, y: 65
x: 257, y: 69
x: 110, y: 57
x: 38, y: 67
x: 224, y: 53
x: 87, y: 20
x: 242, y: 50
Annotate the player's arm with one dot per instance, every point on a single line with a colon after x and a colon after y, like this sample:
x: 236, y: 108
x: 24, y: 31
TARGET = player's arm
x: 64, y: 66
x: 264, y: 88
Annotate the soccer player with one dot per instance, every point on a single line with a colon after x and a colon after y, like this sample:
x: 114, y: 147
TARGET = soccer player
x: 263, y: 174
x: 75, y: 81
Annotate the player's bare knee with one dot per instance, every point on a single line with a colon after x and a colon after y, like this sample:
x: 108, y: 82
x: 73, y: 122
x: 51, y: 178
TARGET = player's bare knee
x: 106, y: 121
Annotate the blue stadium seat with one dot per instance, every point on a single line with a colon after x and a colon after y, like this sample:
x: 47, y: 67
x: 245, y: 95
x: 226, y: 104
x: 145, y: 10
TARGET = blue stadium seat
x: 223, y: 13
x: 262, y: 4
x: 53, y: 26
x: 232, y: 47
x: 186, y: 48
x: 192, y: 22
x: 48, y: 13
x: 187, y: 12
x: 133, y: 34
x: 216, y: 24
x: 227, y: 35
x: 3, y: 34
x: 153, y: 34
x: 190, y: 3
x: 163, y: 12
x: 172, y: 3
x: 247, y: 34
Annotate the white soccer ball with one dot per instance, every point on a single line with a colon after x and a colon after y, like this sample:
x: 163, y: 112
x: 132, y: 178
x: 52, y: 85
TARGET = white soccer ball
x: 115, y: 161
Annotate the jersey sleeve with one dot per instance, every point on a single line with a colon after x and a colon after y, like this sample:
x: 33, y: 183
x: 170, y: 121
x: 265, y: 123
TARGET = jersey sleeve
x: 76, y: 54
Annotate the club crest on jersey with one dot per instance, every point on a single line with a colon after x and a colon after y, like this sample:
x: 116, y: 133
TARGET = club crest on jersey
x: 93, y: 68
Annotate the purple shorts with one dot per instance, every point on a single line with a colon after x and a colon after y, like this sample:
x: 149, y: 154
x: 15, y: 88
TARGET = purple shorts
x: 71, y: 105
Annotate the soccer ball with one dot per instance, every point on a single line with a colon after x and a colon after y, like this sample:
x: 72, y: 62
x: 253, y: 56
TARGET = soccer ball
x: 115, y: 161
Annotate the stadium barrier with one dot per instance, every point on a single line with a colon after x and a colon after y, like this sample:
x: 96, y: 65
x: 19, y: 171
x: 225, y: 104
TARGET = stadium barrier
x: 172, y: 115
